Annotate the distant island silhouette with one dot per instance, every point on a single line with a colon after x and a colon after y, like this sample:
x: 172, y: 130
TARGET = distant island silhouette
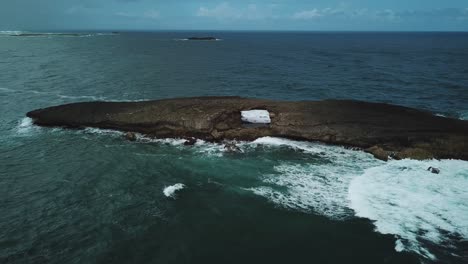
x: 202, y: 38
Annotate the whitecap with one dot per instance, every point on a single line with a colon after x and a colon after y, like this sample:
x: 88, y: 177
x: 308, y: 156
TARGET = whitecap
x: 418, y: 207
x: 170, y: 191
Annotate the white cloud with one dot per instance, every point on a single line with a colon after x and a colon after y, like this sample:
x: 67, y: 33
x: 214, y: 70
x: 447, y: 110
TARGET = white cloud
x: 123, y: 14
x: 149, y: 14
x: 316, y: 13
x: 79, y: 10
x: 464, y: 15
x: 221, y: 11
x: 387, y: 14
x: 345, y: 12
x: 225, y: 11
x: 307, y: 14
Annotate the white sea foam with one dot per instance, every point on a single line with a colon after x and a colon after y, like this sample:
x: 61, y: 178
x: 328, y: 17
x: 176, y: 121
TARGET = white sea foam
x: 464, y: 115
x: 169, y: 141
x: 107, y: 34
x: 86, y: 97
x: 315, y: 187
x: 100, y: 131
x: 333, y: 152
x: 416, y: 206
x: 170, y: 191
x: 25, y: 126
x: 401, y: 197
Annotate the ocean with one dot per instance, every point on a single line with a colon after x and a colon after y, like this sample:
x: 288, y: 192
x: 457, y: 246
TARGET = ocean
x: 90, y: 196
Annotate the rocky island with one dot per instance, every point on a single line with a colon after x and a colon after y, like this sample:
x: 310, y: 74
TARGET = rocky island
x: 202, y: 38
x: 382, y: 129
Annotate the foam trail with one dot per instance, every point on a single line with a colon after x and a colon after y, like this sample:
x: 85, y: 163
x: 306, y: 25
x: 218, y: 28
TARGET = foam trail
x: 170, y: 191
x: 418, y: 207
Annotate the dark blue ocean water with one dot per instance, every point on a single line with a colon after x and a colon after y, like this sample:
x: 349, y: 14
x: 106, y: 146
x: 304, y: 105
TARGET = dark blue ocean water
x: 91, y: 197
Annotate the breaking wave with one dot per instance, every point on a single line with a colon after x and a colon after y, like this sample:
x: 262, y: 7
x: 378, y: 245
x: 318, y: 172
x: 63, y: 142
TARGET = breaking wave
x: 426, y: 212
x: 319, y: 187
x: 416, y: 206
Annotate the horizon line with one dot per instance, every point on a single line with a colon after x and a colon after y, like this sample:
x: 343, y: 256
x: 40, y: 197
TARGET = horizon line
x: 235, y: 30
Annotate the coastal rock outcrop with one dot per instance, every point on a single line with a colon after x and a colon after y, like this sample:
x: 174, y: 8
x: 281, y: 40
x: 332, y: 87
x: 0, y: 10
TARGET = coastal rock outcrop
x: 130, y: 136
x: 434, y: 170
x: 232, y: 147
x: 190, y: 142
x: 381, y: 129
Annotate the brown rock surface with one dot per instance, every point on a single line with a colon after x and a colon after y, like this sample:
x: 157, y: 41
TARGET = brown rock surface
x: 130, y: 136
x: 403, y: 132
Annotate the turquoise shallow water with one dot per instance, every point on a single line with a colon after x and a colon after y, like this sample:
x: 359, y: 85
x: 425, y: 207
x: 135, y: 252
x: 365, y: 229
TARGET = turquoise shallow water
x: 92, y: 197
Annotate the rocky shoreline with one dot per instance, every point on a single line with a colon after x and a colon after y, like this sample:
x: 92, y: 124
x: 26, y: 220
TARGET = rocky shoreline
x: 381, y: 129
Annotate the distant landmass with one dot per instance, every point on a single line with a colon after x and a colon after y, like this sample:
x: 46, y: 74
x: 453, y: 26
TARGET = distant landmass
x: 65, y: 34
x: 45, y: 34
x: 202, y: 38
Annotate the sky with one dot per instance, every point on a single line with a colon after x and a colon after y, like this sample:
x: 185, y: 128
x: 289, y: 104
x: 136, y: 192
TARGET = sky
x: 318, y: 15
